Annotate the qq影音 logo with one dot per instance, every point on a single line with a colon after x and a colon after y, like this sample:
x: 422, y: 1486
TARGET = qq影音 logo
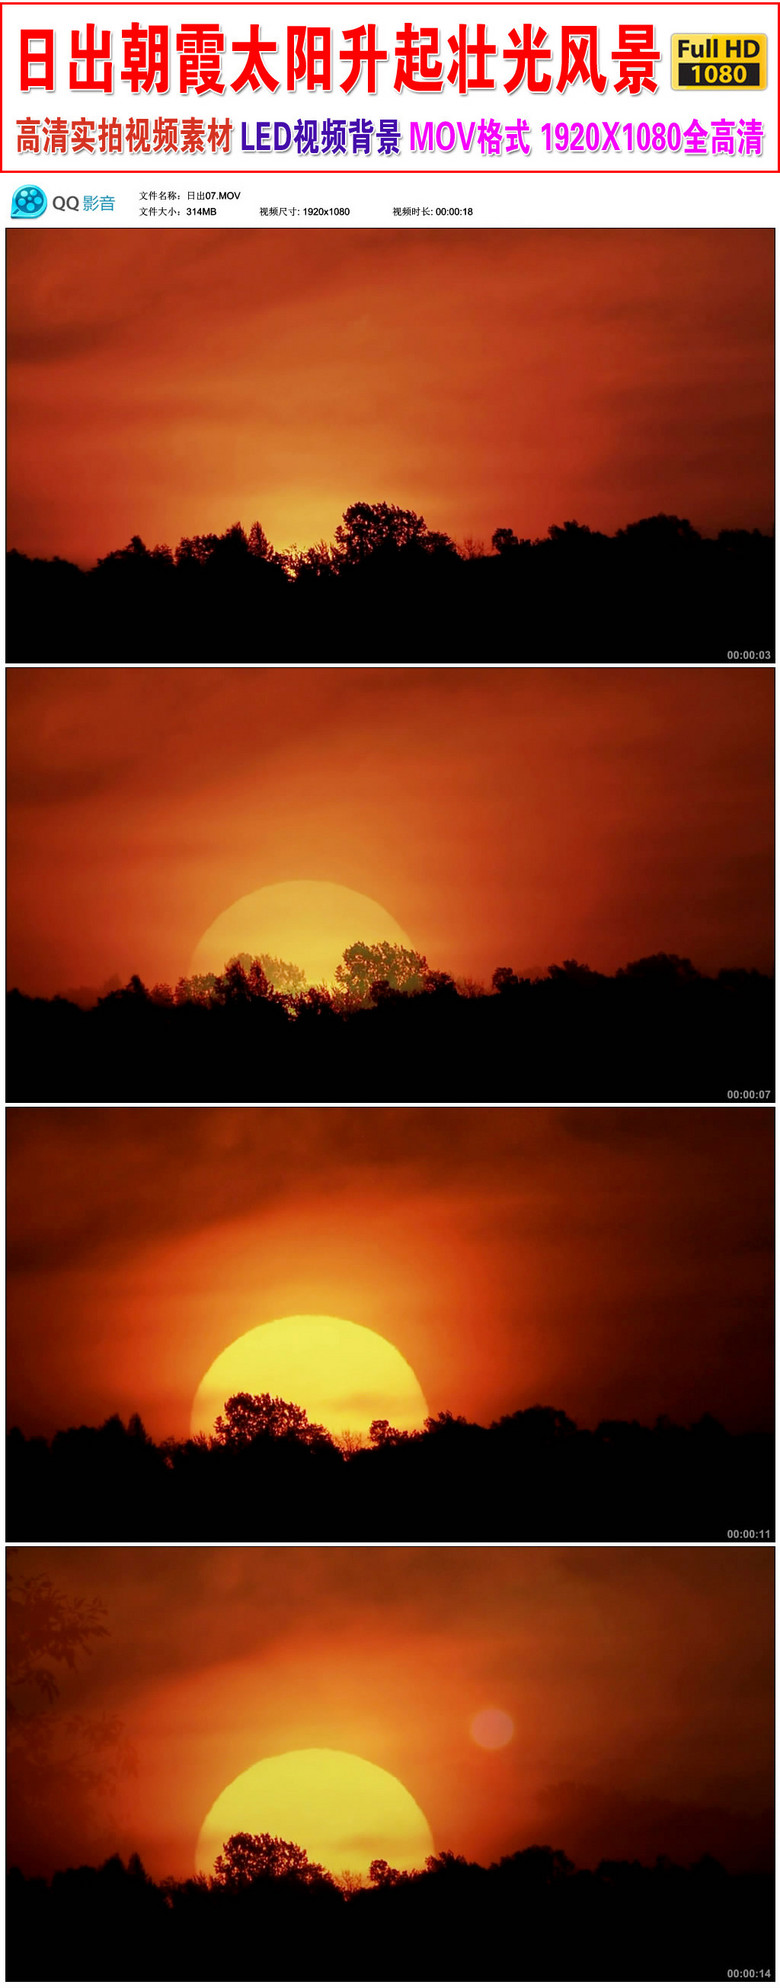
x: 722, y: 61
x: 28, y: 203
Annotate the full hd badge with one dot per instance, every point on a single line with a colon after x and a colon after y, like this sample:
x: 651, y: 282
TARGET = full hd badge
x: 719, y: 62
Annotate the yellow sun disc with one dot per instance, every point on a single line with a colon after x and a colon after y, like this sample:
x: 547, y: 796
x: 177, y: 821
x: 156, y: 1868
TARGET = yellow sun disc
x: 343, y: 1375
x: 342, y: 1810
x: 306, y: 924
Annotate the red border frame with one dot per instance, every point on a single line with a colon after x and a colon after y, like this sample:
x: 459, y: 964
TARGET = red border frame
x: 435, y: 172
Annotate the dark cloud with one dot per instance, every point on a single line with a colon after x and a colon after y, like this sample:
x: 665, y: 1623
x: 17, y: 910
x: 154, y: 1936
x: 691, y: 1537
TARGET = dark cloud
x: 33, y: 344
x: 596, y: 1823
x: 50, y: 787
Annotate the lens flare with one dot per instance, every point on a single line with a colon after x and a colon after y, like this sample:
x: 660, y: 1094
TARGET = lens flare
x: 492, y: 1728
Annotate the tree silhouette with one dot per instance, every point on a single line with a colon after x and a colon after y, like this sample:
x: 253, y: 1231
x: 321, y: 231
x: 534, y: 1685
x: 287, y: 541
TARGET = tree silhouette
x: 363, y: 968
x: 42, y: 1622
x: 572, y: 970
x: 239, y: 983
x: 195, y: 988
x: 259, y: 546
x: 250, y: 1416
x: 661, y: 531
x: 533, y: 1474
x: 367, y: 529
x: 659, y: 967
x: 456, y: 1920
x: 393, y: 1029
x: 280, y: 974
x: 59, y: 1764
x: 571, y: 534
x: 382, y: 1873
x: 245, y: 1858
x: 244, y: 978
x: 505, y: 980
x: 383, y: 1435
x: 317, y: 564
x: 231, y: 596
x: 505, y: 540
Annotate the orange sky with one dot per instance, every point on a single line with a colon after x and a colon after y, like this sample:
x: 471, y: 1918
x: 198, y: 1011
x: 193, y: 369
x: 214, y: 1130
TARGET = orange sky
x: 639, y: 1682
x: 502, y: 817
x: 607, y: 1262
x: 169, y: 385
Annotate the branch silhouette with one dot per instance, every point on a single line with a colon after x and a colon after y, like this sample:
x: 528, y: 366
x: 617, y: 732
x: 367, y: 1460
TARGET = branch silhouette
x: 59, y: 1763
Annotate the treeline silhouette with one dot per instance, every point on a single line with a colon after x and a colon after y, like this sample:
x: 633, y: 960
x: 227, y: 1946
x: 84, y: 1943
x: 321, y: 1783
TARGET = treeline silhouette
x: 267, y: 1473
x: 656, y: 1031
x: 532, y: 1916
x: 388, y: 589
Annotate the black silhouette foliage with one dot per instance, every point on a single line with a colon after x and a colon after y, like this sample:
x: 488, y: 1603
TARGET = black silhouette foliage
x: 393, y: 1030
x: 45, y: 1627
x: 390, y: 589
x: 531, y: 1475
x: 257, y: 1418
x: 58, y: 1761
x: 531, y: 1916
x: 246, y: 1860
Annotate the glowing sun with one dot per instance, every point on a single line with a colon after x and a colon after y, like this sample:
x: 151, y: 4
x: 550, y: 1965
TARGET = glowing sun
x: 343, y: 1811
x: 307, y: 924
x: 345, y: 1376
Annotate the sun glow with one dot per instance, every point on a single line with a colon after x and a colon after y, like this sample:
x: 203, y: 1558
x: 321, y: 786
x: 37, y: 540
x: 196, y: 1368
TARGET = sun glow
x: 307, y: 924
x: 345, y: 1376
x: 342, y: 1810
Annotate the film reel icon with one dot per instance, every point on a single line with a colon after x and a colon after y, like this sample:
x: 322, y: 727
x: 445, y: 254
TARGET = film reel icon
x: 29, y: 202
